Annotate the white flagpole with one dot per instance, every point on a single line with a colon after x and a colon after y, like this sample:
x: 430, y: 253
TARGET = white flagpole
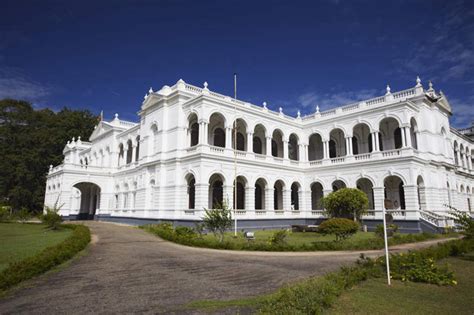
x: 386, y: 245
x: 235, y: 155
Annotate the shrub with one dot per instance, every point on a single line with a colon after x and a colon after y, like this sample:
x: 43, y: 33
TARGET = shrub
x: 342, y: 228
x: 51, y: 218
x: 199, y: 228
x: 346, y: 203
x: 391, y: 230
x: 278, y: 238
x: 184, y: 231
x: 218, y: 220
x: 23, y: 215
x: 5, y: 214
x: 46, y: 259
x: 465, y: 223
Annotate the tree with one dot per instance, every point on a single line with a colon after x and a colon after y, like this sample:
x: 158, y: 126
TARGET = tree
x: 346, y: 203
x: 342, y: 228
x: 218, y: 220
x: 31, y: 140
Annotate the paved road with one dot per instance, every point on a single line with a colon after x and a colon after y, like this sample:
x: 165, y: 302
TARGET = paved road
x: 128, y: 270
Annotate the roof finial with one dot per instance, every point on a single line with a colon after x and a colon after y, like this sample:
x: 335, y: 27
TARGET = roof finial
x: 418, y: 81
x: 430, y: 84
x: 317, y: 109
x: 150, y: 90
x: 205, y: 85
x: 280, y: 110
x: 144, y: 97
x: 265, y: 105
x: 298, y: 114
x: 116, y: 115
x: 388, y: 90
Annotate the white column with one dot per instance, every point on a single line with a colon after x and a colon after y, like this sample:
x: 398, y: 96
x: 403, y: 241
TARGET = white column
x: 379, y: 198
x: 285, y: 149
x: 469, y: 162
x: 411, y: 200
x: 287, y: 199
x: 375, y: 143
x: 228, y: 138
x: 269, y: 202
x: 249, y: 141
x: 404, y: 143
x: 301, y: 155
x: 349, y: 146
x: 250, y: 198
x: 408, y: 137
x: 201, y: 200
x: 269, y: 145
x: 326, y: 149
x: 229, y: 196
x: 134, y: 150
x: 202, y: 134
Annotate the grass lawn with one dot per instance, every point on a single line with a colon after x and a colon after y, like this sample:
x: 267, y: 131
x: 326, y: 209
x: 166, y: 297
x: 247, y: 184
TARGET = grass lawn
x: 317, y: 241
x: 19, y: 241
x: 375, y: 297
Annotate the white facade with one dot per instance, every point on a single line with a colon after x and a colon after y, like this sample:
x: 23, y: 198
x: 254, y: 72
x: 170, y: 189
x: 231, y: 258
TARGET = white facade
x: 398, y: 148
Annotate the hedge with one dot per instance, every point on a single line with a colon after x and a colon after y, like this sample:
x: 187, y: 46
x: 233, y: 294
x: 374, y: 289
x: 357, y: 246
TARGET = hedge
x: 316, y: 294
x: 50, y: 257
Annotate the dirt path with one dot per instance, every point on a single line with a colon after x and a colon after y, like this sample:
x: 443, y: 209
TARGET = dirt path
x: 130, y: 271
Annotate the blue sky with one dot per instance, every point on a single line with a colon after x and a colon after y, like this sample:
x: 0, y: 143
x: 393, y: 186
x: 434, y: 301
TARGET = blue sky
x: 104, y: 55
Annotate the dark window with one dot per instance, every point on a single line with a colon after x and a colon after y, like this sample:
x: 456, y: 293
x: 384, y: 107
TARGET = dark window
x: 257, y: 145
x: 219, y: 137
x: 332, y: 149
x: 240, y: 142
x: 194, y: 134
x: 397, y: 134
x: 355, y: 146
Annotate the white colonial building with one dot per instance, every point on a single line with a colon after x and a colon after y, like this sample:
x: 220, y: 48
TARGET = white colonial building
x: 181, y: 158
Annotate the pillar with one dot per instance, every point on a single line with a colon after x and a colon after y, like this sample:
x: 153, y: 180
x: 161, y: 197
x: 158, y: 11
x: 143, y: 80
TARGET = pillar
x: 459, y: 157
x: 376, y: 140
x: 404, y: 143
x: 301, y: 153
x: 250, y: 198
x: 411, y: 200
x: 269, y: 145
x: 249, y: 141
x: 408, y: 137
x: 134, y: 151
x: 285, y: 149
x: 228, y: 138
x: 286, y: 199
x: 201, y: 196
x: 326, y: 149
x: 269, y: 199
x: 349, y: 146
x: 379, y: 198
x: 228, y: 195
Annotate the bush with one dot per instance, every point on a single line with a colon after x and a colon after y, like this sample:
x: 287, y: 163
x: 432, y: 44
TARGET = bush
x: 346, y: 203
x: 184, y: 231
x: 51, y: 218
x: 218, y: 220
x: 23, y: 215
x: 5, y: 214
x: 391, y: 230
x: 278, y: 238
x: 342, y: 228
x: 46, y: 259
x: 465, y: 223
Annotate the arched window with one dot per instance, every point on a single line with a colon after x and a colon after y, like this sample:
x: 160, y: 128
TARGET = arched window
x: 332, y: 149
x: 397, y: 135
x: 293, y: 148
x: 137, y: 152
x: 355, y: 146
x: 257, y: 145
x: 295, y: 200
x: 194, y: 134
x: 191, y: 192
x: 129, y: 151
x: 219, y: 137
x: 316, y: 196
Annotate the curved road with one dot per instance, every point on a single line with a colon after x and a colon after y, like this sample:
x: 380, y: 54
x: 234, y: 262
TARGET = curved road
x: 127, y: 270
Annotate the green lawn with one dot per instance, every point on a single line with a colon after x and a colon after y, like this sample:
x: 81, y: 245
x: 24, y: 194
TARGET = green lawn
x: 375, y: 297
x: 19, y: 241
x: 317, y: 241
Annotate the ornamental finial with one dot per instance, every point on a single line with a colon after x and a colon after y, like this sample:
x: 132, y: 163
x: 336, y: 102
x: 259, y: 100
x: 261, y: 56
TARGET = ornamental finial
x: 430, y: 84
x: 317, y: 109
x: 116, y: 115
x: 144, y: 97
x: 281, y: 110
x: 265, y: 105
x: 150, y: 90
x: 298, y: 115
x: 418, y: 81
x: 205, y: 84
x: 388, y: 89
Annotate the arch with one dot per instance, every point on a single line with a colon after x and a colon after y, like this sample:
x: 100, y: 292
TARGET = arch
x: 317, y: 193
x: 216, y: 135
x: 239, y: 131
x: 337, y: 143
x: 259, y: 139
x: 391, y: 134
x: 455, y: 151
x: 260, y: 190
x: 239, y: 201
x: 394, y: 192
x: 129, y: 151
x: 216, y: 191
x: 293, y: 147
x: 278, y: 188
x: 414, y: 133
x: 193, y: 129
x: 361, y: 139
x: 315, y: 147
x: 295, y: 200
x: 90, y: 194
x: 191, y: 190
x: 338, y: 184
x: 137, y: 149
x: 121, y: 154
x: 277, y: 143
x: 366, y: 185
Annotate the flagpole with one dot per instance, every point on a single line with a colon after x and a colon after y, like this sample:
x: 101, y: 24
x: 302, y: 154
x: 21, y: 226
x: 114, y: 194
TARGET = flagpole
x: 235, y: 155
x: 386, y: 245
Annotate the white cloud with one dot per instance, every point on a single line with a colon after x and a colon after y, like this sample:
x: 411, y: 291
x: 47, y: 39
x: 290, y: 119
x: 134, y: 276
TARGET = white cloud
x: 463, y: 112
x: 15, y: 84
x: 325, y: 101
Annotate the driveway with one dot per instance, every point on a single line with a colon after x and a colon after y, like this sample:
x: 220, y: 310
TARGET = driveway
x: 127, y: 270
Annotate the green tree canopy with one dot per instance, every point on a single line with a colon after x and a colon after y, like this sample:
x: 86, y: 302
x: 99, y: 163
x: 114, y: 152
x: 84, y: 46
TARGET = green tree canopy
x: 31, y: 140
x: 346, y: 203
